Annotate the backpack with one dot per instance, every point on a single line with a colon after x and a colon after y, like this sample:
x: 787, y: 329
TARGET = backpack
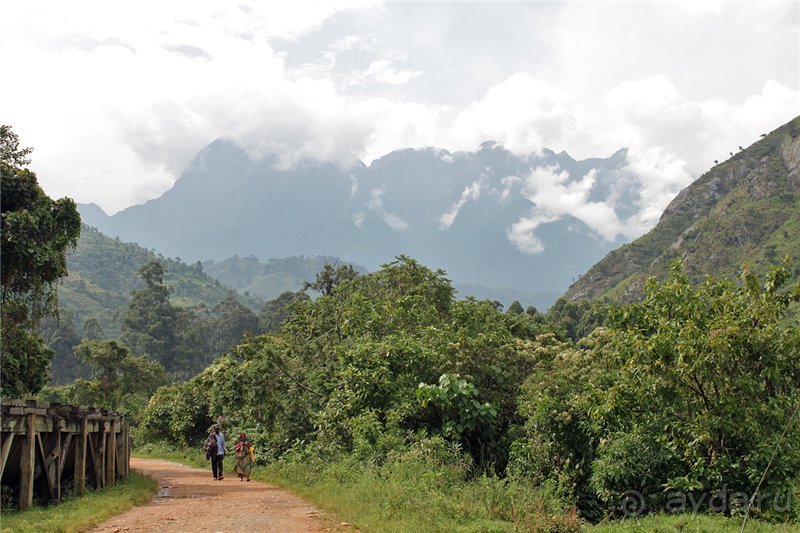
x: 210, y: 446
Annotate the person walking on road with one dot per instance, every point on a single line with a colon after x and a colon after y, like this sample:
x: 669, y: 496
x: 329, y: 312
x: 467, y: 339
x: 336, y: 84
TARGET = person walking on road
x: 244, y: 456
x: 216, y: 460
x: 210, y: 449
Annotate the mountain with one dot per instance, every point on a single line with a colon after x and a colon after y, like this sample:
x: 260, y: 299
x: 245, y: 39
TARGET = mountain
x: 102, y: 274
x: 268, y: 280
x: 745, y: 210
x: 474, y: 214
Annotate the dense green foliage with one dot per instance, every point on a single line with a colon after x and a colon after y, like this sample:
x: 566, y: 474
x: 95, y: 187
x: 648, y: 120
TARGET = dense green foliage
x: 687, y: 391
x: 183, y: 340
x: 37, y: 231
x: 275, y: 313
x: 346, y: 367
x: 182, y: 333
x: 118, y: 380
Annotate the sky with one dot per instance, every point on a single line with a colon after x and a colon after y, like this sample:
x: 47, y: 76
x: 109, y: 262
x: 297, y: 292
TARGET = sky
x: 117, y: 97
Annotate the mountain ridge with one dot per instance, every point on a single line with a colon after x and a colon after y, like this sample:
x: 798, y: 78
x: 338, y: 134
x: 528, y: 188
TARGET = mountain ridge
x: 472, y: 213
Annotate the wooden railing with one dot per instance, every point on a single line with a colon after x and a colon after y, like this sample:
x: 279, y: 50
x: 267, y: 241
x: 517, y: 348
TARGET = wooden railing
x: 47, y: 448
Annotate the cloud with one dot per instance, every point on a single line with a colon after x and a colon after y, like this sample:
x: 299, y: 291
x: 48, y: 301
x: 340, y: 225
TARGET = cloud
x: 522, y: 233
x: 472, y: 192
x: 192, y: 52
x: 521, y: 112
x: 375, y: 204
x: 555, y: 196
x: 384, y: 71
x: 142, y: 88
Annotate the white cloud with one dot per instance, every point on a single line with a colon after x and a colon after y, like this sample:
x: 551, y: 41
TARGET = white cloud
x: 522, y: 233
x: 384, y: 71
x: 375, y: 204
x: 555, y: 196
x: 471, y: 192
x: 522, y: 113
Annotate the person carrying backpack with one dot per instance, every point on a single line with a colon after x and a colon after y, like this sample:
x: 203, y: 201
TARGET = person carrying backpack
x: 210, y: 447
x: 216, y: 460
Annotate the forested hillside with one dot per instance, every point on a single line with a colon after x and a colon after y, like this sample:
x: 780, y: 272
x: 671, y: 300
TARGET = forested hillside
x: 744, y: 211
x: 271, y: 278
x: 102, y: 274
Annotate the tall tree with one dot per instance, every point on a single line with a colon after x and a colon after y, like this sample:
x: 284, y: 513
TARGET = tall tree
x: 276, y: 312
x: 37, y: 231
x: 232, y: 321
x: 330, y: 277
x: 10, y: 152
x: 149, y: 323
x: 61, y: 337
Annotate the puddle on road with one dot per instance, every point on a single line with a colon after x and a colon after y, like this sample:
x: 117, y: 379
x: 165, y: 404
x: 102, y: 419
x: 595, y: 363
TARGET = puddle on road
x: 163, y: 493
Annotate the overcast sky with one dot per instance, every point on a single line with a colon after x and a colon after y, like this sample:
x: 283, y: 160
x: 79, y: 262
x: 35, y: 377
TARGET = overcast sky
x: 117, y: 98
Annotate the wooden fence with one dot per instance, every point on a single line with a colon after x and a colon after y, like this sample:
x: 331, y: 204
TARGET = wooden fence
x: 47, y: 448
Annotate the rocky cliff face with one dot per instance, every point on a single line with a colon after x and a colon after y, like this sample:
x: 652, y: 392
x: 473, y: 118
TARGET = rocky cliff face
x: 744, y: 211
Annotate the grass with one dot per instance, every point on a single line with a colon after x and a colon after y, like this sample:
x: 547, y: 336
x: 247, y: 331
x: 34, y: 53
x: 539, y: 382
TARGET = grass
x: 184, y: 456
x: 82, y: 512
x: 690, y: 523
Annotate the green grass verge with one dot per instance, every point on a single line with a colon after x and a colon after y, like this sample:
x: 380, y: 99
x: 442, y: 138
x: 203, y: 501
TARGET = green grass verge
x: 690, y: 523
x: 82, y: 512
x: 184, y: 456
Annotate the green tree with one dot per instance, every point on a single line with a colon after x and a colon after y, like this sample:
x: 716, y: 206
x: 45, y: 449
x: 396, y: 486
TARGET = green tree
x: 276, y: 312
x: 343, y: 371
x: 330, y: 277
x: 37, y: 231
x: 119, y: 380
x: 10, y: 152
x: 92, y: 331
x: 515, y: 308
x: 61, y: 337
x: 231, y: 322
x: 149, y: 323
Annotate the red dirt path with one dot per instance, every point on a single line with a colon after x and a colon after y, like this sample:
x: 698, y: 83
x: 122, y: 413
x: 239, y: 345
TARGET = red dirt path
x: 190, y: 500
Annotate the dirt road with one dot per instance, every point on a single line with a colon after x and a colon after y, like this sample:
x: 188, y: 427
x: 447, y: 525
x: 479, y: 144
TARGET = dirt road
x: 190, y: 500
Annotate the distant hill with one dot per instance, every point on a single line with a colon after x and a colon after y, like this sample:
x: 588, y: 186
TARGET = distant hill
x: 102, y: 274
x: 269, y: 279
x: 745, y: 210
x: 469, y: 213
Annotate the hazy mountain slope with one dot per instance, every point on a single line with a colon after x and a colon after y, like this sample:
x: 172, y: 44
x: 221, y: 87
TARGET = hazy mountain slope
x: 102, y: 274
x: 455, y: 211
x: 745, y: 210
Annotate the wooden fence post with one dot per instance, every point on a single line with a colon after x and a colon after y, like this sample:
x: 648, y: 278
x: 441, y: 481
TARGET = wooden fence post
x: 27, y: 464
x: 80, y: 458
x: 111, y: 454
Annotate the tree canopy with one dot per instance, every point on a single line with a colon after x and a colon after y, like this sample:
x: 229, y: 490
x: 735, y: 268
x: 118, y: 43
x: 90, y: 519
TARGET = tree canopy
x: 37, y: 231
